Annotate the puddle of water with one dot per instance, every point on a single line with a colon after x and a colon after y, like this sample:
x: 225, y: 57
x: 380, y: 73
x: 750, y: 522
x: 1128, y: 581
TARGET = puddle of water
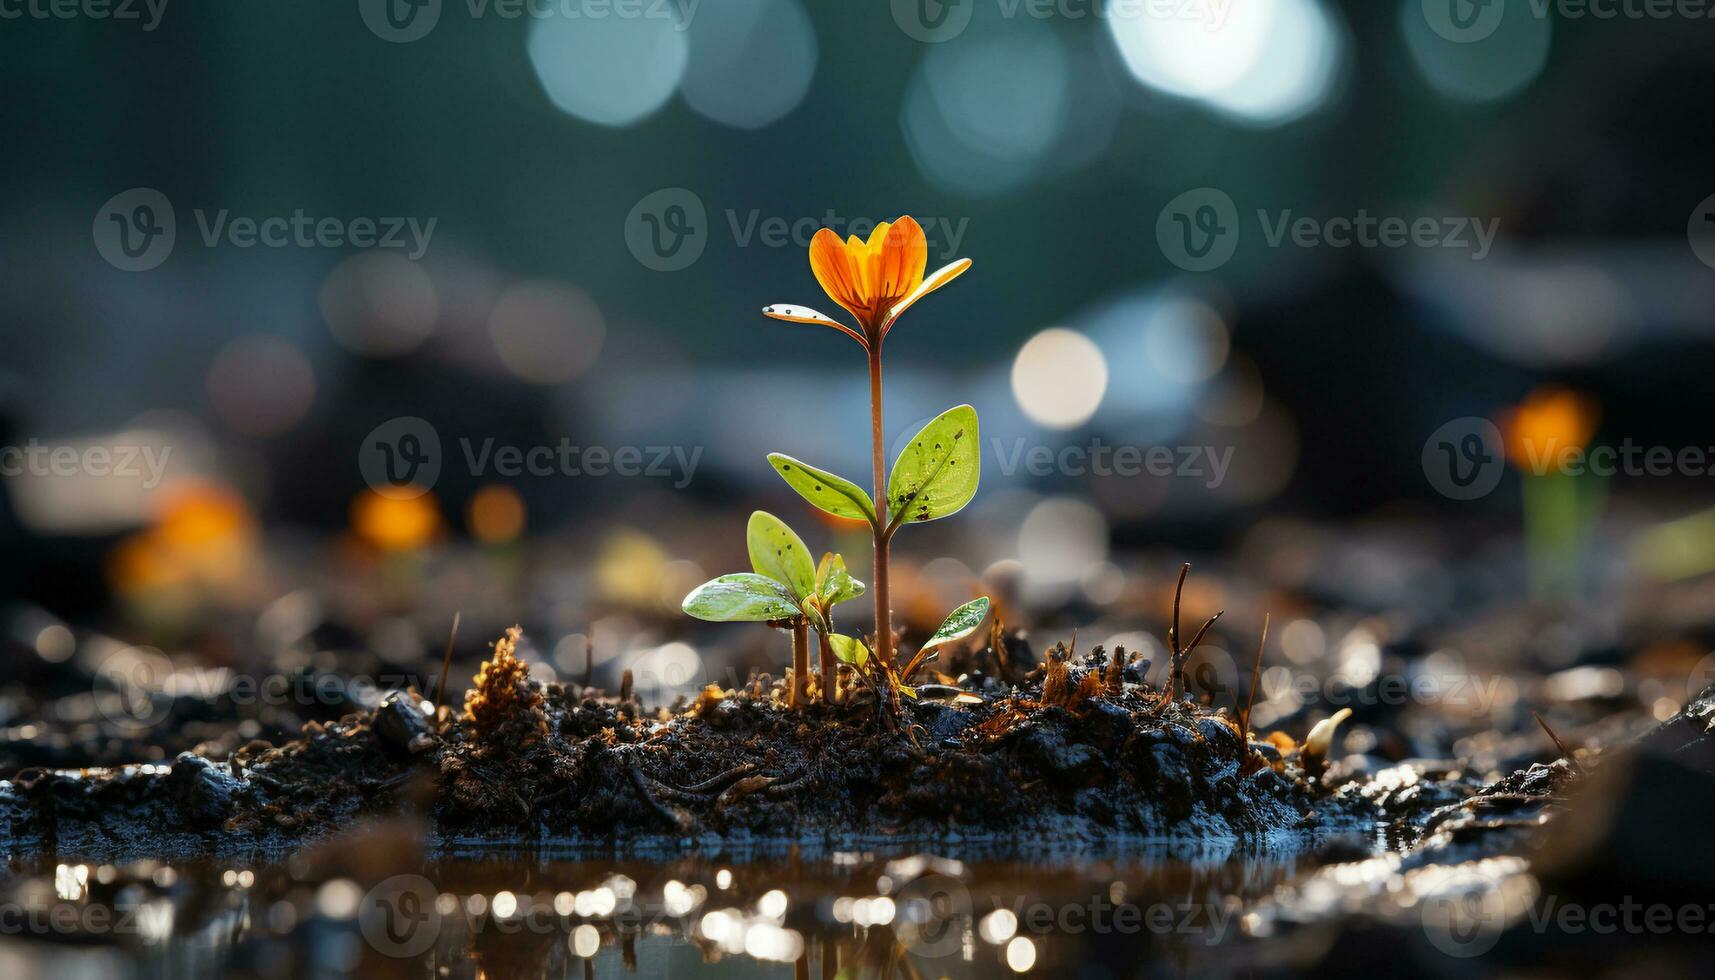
x: 479, y: 912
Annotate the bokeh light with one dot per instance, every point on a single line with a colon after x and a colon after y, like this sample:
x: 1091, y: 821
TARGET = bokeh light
x: 981, y: 116
x: 379, y: 304
x: 1264, y: 63
x: 1483, y: 70
x: 261, y: 385
x: 495, y: 514
x: 751, y: 61
x: 613, y: 70
x: 1059, y: 378
x: 395, y: 523
x: 1060, y: 539
x: 547, y: 332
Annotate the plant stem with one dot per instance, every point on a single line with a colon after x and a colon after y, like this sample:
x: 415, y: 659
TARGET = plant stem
x: 800, y: 662
x: 830, y: 673
x: 883, y: 528
x: 883, y: 612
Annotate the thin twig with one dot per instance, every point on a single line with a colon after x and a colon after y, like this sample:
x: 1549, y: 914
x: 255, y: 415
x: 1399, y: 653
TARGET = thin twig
x: 1565, y: 753
x: 589, y: 657
x: 1245, y: 715
x: 447, y: 661
x: 1173, y: 637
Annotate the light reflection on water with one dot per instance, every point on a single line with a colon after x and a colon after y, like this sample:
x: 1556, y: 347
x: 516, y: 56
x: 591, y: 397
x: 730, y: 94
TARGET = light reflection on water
x: 479, y: 911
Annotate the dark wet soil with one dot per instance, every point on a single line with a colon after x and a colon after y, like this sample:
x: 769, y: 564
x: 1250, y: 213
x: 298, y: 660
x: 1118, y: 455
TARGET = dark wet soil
x: 1083, y: 751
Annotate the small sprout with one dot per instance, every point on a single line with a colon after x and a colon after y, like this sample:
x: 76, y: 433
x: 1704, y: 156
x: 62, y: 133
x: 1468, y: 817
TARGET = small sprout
x: 785, y: 590
x: 1313, y: 756
x: 960, y: 623
x: 850, y: 650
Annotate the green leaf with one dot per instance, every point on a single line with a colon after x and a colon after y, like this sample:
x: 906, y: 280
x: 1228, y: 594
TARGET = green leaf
x: 960, y: 623
x: 834, y: 494
x: 777, y: 552
x: 834, y: 584
x: 849, y: 649
x: 936, y: 475
x: 742, y: 597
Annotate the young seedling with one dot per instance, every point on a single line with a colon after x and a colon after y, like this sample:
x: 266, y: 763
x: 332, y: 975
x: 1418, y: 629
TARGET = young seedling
x: 785, y: 590
x: 877, y: 281
x: 960, y: 623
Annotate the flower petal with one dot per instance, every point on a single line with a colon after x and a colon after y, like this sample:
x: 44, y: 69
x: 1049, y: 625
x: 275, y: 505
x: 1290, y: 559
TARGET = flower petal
x: 941, y: 277
x: 904, y: 255
x: 803, y: 314
x: 831, y: 263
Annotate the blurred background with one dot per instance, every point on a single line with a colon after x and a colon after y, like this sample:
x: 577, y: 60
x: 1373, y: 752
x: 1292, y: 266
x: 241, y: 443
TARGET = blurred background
x: 256, y: 254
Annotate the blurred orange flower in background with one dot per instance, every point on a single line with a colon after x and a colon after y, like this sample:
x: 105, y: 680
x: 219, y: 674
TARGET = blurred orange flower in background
x: 202, y: 533
x: 393, y: 523
x: 1544, y: 430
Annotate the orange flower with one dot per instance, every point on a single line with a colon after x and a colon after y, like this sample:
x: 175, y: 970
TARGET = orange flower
x: 1547, y: 427
x: 875, y: 281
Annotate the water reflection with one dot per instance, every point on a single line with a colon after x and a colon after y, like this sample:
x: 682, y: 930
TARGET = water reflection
x: 477, y: 912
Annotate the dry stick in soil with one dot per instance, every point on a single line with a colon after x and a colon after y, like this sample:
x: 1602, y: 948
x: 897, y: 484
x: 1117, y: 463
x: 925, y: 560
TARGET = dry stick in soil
x: 1565, y: 753
x: 1245, y: 753
x: 1174, y: 680
x: 447, y: 661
